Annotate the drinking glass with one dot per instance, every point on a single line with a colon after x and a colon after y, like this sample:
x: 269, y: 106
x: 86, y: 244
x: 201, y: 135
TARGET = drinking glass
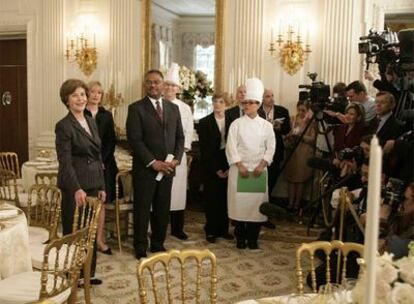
x: 326, y: 292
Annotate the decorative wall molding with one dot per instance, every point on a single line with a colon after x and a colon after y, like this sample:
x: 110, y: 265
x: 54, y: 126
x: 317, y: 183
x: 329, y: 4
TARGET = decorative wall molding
x: 124, y: 51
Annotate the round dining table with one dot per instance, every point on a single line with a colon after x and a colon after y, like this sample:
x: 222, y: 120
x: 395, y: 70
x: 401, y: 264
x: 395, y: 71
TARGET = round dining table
x: 14, y: 241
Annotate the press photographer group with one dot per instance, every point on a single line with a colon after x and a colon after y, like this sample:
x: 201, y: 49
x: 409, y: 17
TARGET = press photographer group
x: 345, y: 122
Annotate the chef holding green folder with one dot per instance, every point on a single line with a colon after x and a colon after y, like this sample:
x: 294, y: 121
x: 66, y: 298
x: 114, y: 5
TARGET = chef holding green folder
x: 249, y: 150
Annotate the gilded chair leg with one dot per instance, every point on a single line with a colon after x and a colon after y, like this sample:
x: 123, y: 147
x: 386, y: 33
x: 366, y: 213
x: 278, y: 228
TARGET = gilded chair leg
x: 74, y: 292
x: 118, y: 226
x: 87, y: 279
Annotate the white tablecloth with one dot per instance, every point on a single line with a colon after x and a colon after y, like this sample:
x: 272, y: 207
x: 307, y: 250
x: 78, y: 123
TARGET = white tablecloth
x: 14, y: 242
x: 31, y: 168
x: 307, y: 298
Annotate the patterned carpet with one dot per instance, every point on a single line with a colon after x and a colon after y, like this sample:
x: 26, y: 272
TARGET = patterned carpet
x: 242, y: 274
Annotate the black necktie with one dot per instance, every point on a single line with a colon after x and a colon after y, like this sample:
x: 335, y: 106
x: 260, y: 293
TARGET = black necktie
x: 159, y: 110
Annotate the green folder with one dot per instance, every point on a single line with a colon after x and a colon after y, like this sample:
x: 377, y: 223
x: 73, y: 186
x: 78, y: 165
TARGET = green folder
x: 251, y: 183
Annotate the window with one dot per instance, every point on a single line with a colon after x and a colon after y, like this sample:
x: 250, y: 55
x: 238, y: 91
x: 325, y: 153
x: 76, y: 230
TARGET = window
x: 164, y: 54
x: 204, y: 60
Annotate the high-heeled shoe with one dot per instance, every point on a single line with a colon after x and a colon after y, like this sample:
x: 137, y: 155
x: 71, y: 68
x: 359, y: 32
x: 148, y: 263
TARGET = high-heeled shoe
x: 107, y: 251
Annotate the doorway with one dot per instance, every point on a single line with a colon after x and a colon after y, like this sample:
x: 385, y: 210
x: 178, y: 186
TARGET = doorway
x: 13, y: 97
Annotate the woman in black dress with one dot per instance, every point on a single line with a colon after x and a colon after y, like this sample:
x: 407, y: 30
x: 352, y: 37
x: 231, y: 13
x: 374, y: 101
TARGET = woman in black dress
x: 106, y: 128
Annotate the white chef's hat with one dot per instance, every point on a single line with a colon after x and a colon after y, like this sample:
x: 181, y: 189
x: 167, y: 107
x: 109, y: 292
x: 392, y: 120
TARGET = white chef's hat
x: 254, y: 89
x: 172, y: 74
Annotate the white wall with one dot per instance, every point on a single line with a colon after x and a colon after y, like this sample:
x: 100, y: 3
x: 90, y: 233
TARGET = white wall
x: 246, y: 35
x: 46, y: 23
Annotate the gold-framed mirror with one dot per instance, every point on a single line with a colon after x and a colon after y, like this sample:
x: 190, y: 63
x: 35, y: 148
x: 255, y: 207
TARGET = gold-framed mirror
x: 148, y: 32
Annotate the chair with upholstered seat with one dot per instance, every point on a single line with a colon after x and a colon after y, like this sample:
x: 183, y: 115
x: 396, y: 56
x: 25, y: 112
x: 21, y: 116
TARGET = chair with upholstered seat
x: 9, y: 189
x: 43, y: 216
x: 57, y: 282
x: 342, y: 251
x: 191, y: 269
x: 122, y: 206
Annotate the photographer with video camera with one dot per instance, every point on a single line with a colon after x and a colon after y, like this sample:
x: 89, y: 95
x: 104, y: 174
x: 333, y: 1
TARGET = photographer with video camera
x: 402, y: 226
x: 348, y: 135
x: 357, y: 92
x: 389, y: 83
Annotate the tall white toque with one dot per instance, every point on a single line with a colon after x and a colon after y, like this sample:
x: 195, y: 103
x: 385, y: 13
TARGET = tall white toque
x: 254, y: 89
x: 173, y: 75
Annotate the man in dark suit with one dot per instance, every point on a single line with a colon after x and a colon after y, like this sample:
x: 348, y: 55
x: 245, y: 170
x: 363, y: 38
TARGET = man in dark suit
x: 235, y: 112
x: 278, y: 116
x: 387, y: 126
x: 154, y: 130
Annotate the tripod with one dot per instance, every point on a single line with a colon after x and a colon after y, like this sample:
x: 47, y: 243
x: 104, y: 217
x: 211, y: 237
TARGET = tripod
x: 318, y: 117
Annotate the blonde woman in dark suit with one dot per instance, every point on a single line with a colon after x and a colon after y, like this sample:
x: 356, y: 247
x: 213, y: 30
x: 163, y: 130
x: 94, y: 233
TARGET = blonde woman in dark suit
x: 78, y: 148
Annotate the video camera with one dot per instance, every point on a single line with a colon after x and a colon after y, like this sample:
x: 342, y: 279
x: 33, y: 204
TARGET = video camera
x: 388, y: 47
x: 356, y: 153
x: 393, y: 194
x: 318, y: 95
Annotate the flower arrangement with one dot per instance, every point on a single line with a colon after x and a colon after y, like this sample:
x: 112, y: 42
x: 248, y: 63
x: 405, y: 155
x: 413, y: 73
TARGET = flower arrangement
x: 395, y: 280
x: 194, y: 84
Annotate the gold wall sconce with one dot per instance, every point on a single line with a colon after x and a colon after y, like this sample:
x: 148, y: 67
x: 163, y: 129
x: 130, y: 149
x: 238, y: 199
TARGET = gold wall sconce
x: 291, y: 53
x: 81, y: 51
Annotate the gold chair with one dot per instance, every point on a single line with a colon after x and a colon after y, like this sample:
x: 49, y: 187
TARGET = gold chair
x: 122, y: 204
x: 164, y: 259
x: 88, y: 216
x: 46, y: 178
x: 45, y: 213
x: 57, y: 282
x: 9, y: 190
x: 43, y: 216
x: 10, y: 161
x: 343, y: 249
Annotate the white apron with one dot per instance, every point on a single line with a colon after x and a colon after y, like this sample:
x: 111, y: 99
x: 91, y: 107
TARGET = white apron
x: 179, y: 186
x: 249, y: 141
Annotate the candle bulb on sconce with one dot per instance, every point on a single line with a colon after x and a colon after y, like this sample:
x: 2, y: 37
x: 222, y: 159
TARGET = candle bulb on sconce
x: 290, y: 51
x: 84, y: 54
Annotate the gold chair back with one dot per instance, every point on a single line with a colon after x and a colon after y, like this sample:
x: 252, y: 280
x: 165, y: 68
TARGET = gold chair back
x: 68, y: 254
x: 10, y: 161
x: 124, y: 180
x: 8, y: 187
x: 87, y: 216
x: 44, y: 208
x: 343, y: 250
x: 46, y: 178
x: 164, y: 259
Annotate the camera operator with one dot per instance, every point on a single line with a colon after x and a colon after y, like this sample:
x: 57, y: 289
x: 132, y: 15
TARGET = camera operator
x: 391, y: 83
x: 335, y: 110
x: 400, y: 154
x: 357, y: 92
x: 349, y: 135
x: 402, y: 226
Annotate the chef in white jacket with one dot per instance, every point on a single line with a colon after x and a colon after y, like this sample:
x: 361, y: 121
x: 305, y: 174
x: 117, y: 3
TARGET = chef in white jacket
x: 249, y: 150
x: 179, y: 186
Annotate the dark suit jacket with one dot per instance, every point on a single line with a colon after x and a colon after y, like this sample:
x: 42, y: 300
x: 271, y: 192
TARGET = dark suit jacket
x: 278, y: 112
x: 231, y: 115
x: 392, y: 129
x: 79, y: 155
x: 213, y: 158
x: 149, y: 138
